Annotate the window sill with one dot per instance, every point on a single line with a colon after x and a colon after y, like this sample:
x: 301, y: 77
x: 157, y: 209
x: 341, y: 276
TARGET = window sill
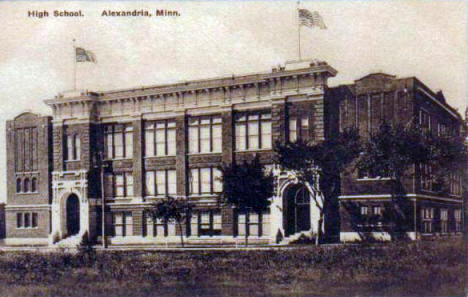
x: 156, y: 157
x: 71, y: 161
x: 27, y: 193
x: 26, y: 228
x: 374, y: 179
x: 204, y: 153
x: 253, y: 150
x: 119, y: 159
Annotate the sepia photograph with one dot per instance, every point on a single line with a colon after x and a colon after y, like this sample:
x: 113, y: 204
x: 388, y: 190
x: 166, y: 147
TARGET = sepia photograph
x: 233, y: 148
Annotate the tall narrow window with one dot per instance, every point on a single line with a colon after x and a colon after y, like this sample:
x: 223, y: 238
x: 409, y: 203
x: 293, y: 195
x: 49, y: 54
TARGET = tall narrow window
x: 76, y: 147
x: 26, y: 185
x: 19, y: 220
x: 18, y: 185
x: 253, y: 131
x: 444, y: 220
x: 458, y: 220
x: 34, y: 220
x: 34, y: 184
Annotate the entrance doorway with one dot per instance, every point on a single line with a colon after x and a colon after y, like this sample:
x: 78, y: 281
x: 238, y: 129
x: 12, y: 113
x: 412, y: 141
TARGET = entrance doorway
x: 73, y: 215
x: 297, y: 210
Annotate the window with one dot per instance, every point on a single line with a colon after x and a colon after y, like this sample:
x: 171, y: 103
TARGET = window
x: 443, y: 220
x: 205, y: 181
x: 118, y: 185
x: 364, y: 210
x: 118, y: 140
x: 427, y: 216
x: 26, y: 185
x: 252, y: 224
x: 298, y: 128
x: 34, y: 220
x: 26, y: 220
x: 26, y: 149
x: 253, y: 131
x: 34, y: 185
x: 19, y: 220
x: 73, y: 147
x: 160, y: 182
x: 377, y: 210
x: 122, y: 223
x: 458, y: 220
x: 424, y: 120
x: 366, y: 174
x: 455, y: 184
x: 206, y: 223
x: 160, y: 138
x: 426, y: 177
x: 442, y: 129
x: 18, y: 185
x: 158, y: 227
x: 205, y: 134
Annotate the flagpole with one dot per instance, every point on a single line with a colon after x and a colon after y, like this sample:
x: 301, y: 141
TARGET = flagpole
x: 298, y: 32
x: 74, y: 65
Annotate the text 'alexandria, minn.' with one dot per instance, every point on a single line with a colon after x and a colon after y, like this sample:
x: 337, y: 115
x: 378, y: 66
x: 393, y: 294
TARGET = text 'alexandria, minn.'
x: 104, y: 13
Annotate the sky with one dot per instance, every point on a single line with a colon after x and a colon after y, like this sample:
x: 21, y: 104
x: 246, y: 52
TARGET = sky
x: 422, y: 38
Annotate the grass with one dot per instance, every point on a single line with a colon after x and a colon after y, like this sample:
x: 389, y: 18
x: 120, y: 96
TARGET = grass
x: 435, y: 268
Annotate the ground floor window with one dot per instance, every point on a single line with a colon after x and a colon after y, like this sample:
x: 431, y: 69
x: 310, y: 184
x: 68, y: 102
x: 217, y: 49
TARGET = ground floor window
x: 26, y: 220
x: 458, y: 220
x: 122, y: 223
x: 444, y: 220
x: 157, y: 227
x: 427, y: 217
x: 252, y: 224
x: 205, y: 223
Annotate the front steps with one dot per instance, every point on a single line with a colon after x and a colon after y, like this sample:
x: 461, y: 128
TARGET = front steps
x: 69, y: 242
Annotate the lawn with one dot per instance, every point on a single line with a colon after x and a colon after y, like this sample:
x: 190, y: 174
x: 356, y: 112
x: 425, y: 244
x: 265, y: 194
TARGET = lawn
x: 430, y: 268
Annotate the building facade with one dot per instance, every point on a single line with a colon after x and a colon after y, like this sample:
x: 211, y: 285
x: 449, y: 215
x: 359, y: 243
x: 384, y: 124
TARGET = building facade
x: 430, y: 210
x: 154, y: 142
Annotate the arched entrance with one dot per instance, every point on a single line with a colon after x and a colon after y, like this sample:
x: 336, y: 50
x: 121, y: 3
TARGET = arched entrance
x: 297, y: 210
x: 73, y: 215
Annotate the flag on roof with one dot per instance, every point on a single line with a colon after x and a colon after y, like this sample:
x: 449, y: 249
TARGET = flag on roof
x: 83, y: 55
x: 311, y: 19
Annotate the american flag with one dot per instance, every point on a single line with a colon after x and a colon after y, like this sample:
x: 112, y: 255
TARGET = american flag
x: 311, y: 19
x: 83, y: 55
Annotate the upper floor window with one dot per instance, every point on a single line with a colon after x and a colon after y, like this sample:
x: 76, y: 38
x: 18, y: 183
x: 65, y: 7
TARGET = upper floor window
x: 160, y: 138
x: 205, y: 181
x: 424, y: 120
x: 160, y: 182
x: 253, y: 131
x: 118, y: 185
x: 426, y: 177
x: 26, y: 185
x: 18, y: 185
x: 26, y: 149
x: 298, y: 128
x: 205, y: 134
x: 73, y: 147
x: 458, y: 219
x: 118, y: 140
x: 455, y: 183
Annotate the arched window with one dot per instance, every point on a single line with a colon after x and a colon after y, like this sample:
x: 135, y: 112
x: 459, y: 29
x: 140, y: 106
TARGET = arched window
x: 34, y: 184
x: 26, y: 185
x: 18, y: 185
